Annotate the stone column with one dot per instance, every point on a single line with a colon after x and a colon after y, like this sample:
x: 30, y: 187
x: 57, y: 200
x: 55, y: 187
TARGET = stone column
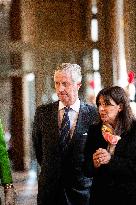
x: 111, y: 37
x: 130, y: 33
x: 106, y: 23
x: 17, y: 96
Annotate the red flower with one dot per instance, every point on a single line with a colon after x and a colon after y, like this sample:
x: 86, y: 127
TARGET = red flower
x: 112, y: 139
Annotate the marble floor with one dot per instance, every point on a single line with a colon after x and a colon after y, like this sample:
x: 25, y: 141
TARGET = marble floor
x: 26, y: 187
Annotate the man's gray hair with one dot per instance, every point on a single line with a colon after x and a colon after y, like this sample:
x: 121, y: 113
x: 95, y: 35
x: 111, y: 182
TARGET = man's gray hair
x: 73, y: 69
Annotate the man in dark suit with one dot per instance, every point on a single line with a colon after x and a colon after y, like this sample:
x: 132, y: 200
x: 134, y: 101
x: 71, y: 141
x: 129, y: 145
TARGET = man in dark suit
x: 61, y: 180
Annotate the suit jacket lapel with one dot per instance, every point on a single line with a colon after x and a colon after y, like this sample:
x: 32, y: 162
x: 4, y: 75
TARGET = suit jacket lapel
x: 55, y: 113
x: 80, y: 125
x: 54, y: 119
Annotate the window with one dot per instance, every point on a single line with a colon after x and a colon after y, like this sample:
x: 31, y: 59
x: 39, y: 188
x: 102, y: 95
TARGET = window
x: 91, y: 58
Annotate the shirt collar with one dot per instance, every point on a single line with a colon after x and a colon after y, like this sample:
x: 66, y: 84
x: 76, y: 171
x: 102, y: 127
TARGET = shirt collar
x: 75, y: 106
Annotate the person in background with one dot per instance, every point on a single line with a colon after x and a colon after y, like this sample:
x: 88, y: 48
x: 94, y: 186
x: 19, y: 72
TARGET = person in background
x: 90, y: 93
x: 131, y: 91
x: 59, y: 146
x: 110, y: 151
x: 5, y: 171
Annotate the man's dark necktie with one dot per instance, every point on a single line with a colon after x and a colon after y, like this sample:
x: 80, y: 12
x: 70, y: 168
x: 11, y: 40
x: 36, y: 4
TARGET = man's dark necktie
x: 65, y: 130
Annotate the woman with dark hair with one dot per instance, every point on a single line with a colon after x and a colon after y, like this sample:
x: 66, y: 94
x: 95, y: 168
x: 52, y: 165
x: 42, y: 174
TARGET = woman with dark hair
x: 111, y: 150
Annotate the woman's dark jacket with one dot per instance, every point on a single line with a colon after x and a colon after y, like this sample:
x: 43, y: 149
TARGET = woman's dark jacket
x: 115, y: 182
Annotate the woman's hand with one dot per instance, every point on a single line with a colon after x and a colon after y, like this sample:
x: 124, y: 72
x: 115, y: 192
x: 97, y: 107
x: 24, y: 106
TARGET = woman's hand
x: 101, y: 156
